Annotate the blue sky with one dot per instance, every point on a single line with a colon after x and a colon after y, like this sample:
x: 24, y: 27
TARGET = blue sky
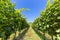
x: 35, y: 7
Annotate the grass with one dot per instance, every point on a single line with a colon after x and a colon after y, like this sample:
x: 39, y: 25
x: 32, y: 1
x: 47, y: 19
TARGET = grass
x: 17, y: 34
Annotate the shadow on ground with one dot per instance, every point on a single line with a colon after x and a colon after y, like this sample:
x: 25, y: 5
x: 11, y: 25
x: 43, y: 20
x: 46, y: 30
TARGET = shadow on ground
x: 21, y: 35
x: 40, y: 35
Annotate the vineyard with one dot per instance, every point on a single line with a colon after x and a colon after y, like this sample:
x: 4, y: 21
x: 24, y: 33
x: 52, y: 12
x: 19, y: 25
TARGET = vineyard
x: 13, y: 23
x: 49, y: 20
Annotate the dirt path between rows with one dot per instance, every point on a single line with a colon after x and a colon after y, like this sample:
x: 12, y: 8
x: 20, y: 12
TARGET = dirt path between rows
x: 29, y: 35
